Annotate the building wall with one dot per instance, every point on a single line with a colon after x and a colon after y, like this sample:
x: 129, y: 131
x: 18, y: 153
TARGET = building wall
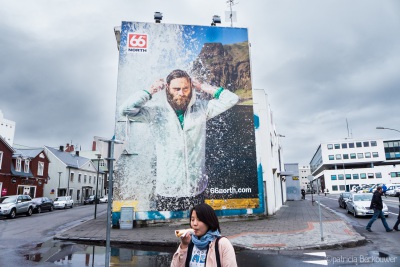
x: 304, y: 172
x: 293, y: 181
x: 7, y: 129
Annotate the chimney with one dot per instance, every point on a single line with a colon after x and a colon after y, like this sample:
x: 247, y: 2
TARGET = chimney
x: 94, y: 146
x: 77, y: 153
x: 62, y: 148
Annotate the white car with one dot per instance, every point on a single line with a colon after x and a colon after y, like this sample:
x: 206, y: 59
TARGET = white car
x: 104, y: 199
x: 358, y: 205
x: 63, y: 202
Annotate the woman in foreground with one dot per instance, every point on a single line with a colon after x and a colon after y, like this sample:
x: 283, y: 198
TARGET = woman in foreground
x: 198, y: 246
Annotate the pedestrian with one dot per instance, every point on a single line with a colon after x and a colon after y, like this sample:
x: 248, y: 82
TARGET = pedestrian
x: 206, y: 246
x: 396, y: 225
x: 384, y: 189
x: 377, y: 206
x: 303, y: 193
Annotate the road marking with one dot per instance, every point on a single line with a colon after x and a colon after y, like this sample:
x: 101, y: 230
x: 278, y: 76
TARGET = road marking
x: 321, y: 262
x: 320, y: 254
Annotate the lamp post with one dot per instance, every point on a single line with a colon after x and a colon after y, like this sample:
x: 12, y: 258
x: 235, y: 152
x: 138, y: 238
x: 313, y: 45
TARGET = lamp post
x: 97, y: 185
x: 384, y: 128
x: 59, y: 179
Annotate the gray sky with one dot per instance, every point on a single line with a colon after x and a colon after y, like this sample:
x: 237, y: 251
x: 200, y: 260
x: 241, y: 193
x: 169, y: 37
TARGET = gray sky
x: 320, y: 62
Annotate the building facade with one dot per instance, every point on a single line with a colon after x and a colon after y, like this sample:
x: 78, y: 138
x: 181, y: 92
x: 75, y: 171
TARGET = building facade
x: 7, y: 129
x: 304, y: 173
x: 343, y: 164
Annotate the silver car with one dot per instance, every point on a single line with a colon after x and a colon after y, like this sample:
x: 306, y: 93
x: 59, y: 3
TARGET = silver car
x: 358, y: 205
x: 63, y: 202
x: 10, y: 206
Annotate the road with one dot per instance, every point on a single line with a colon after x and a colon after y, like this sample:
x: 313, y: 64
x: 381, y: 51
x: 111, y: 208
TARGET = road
x: 22, y: 232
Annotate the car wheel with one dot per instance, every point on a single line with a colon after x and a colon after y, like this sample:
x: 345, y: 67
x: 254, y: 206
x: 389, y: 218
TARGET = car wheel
x: 348, y: 211
x: 344, y: 205
x: 65, y: 206
x: 12, y: 214
x: 354, y: 213
x: 39, y: 209
x: 51, y: 208
x: 29, y: 212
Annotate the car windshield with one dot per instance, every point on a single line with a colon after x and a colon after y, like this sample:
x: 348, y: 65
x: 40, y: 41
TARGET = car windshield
x: 60, y: 199
x: 8, y: 199
x: 362, y: 197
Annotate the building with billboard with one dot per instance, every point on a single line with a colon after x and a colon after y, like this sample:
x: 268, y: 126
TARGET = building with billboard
x: 342, y: 164
x: 189, y: 122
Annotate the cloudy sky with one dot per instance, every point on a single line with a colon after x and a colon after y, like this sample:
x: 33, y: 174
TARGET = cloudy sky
x: 320, y: 62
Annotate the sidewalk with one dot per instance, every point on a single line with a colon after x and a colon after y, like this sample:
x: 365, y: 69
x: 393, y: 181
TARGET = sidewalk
x: 295, y: 226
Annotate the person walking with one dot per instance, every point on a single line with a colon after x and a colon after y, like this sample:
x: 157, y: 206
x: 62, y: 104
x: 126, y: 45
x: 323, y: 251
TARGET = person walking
x: 384, y: 189
x: 303, y: 193
x: 205, y: 246
x: 377, y: 206
x: 396, y: 225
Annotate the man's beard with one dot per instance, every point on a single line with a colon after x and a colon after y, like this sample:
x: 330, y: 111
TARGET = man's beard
x: 178, y: 102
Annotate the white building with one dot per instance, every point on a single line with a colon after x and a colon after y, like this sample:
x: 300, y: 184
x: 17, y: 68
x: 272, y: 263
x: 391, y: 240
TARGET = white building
x: 71, y: 175
x: 304, y: 172
x: 7, y: 129
x: 340, y: 165
x: 269, y: 153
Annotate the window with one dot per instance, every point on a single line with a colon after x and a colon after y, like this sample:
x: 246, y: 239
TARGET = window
x: 18, y: 167
x: 345, y: 156
x: 378, y: 175
x: 366, y: 144
x: 375, y: 154
x: 353, y: 155
x: 348, y: 176
x: 40, y: 168
x: 338, y: 156
x: 351, y: 145
x: 334, y: 188
x: 1, y: 158
x: 344, y: 145
x: 90, y: 179
x: 360, y: 155
x: 358, y: 144
x: 337, y: 146
x: 394, y: 174
x: 373, y: 143
x: 330, y: 146
x: 331, y: 157
x: 26, y: 166
x: 363, y: 176
x: 355, y: 176
x: 72, y: 177
x: 341, y: 177
x: 370, y: 176
x: 333, y: 177
x: 341, y: 187
x: 79, y: 178
x: 367, y: 155
x: 84, y: 178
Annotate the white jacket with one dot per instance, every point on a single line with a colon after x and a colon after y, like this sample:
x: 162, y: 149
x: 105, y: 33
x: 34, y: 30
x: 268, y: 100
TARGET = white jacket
x: 180, y: 152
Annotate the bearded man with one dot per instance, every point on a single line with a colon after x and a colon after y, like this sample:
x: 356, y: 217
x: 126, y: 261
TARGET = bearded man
x: 178, y: 123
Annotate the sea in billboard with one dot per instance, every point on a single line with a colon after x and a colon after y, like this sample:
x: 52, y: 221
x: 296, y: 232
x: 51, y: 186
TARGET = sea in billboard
x: 184, y: 111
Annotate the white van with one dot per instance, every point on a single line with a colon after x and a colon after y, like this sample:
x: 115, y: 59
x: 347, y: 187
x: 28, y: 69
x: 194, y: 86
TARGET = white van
x: 393, y: 190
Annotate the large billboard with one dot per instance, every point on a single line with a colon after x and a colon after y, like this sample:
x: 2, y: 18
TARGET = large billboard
x: 185, y: 113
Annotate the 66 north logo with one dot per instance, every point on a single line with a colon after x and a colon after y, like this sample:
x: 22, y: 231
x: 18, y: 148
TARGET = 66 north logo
x: 137, y: 42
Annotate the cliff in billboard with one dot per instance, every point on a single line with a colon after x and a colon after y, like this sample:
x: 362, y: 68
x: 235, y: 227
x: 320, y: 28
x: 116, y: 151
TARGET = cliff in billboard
x: 184, y: 111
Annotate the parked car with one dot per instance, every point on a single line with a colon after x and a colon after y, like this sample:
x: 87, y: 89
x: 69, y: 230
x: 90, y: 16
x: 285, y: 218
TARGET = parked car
x: 90, y: 200
x: 63, y: 202
x: 358, y: 205
x: 393, y: 190
x: 42, y: 203
x: 12, y: 205
x: 104, y: 199
x: 342, y: 199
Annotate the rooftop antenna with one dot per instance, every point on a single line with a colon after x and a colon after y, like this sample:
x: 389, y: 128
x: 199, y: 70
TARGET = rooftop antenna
x: 231, y: 14
x: 348, y: 133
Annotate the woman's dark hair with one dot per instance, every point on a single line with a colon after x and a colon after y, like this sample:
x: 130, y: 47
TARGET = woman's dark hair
x: 207, y: 215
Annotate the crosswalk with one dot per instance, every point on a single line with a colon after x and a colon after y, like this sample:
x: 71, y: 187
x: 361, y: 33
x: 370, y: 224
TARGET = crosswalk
x: 317, y: 262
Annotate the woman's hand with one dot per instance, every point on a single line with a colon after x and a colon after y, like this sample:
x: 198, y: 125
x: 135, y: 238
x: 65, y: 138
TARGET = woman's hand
x: 185, y: 240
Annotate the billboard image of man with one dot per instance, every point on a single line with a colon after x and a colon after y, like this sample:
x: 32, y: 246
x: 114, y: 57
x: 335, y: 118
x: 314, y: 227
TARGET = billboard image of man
x: 177, y: 120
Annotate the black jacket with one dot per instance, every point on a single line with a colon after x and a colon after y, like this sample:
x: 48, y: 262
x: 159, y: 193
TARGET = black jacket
x: 376, y: 201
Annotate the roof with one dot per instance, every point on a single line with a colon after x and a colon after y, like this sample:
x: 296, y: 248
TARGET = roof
x: 28, y: 153
x: 69, y: 159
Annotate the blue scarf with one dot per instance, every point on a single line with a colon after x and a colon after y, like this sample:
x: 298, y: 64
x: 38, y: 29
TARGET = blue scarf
x: 203, y: 242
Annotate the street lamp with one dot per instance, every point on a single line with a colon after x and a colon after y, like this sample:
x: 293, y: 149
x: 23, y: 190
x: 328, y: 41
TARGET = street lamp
x: 384, y: 128
x: 59, y: 178
x: 97, y: 184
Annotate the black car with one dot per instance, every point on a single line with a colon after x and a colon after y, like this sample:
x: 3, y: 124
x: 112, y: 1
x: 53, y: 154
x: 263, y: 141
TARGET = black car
x: 90, y: 200
x: 42, y: 203
x: 342, y: 199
